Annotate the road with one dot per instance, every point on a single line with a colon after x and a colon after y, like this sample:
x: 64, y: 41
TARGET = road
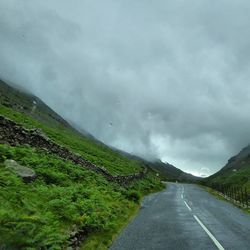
x: 184, y: 216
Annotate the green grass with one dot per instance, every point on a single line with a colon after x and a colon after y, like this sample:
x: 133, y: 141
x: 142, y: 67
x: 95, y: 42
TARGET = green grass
x: 91, y: 150
x: 239, y: 178
x: 64, y: 197
x: 220, y: 197
x: 103, y: 240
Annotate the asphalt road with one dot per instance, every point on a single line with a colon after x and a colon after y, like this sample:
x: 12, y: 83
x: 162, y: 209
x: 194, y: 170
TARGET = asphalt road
x: 186, y: 217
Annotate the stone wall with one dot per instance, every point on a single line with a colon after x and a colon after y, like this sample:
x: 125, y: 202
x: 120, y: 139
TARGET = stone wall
x: 14, y: 134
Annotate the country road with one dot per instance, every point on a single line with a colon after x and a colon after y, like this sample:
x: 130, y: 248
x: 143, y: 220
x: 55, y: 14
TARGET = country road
x: 184, y: 216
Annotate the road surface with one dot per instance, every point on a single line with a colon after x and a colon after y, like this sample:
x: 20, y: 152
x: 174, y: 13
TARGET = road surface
x: 185, y: 216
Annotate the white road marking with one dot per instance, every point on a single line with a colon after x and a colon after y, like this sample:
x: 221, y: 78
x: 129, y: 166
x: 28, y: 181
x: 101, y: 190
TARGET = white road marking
x: 182, y: 196
x: 190, y: 209
x: 216, y: 242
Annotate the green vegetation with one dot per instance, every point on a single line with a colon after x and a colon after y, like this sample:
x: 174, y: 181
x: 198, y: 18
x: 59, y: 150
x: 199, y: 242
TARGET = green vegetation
x: 240, y: 178
x: 235, y: 174
x: 91, y: 150
x: 64, y: 197
x: 220, y: 197
x: 102, y: 240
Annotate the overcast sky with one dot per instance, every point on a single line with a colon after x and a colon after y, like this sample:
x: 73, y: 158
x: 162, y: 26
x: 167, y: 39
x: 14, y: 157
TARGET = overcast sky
x: 158, y: 78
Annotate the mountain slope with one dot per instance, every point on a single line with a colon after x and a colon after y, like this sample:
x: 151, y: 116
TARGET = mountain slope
x: 18, y: 106
x: 90, y: 148
x: 21, y: 101
x: 171, y: 173
x: 236, y: 172
x: 65, y: 202
x: 167, y: 171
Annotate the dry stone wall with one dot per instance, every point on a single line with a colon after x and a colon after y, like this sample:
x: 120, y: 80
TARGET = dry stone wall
x: 14, y: 134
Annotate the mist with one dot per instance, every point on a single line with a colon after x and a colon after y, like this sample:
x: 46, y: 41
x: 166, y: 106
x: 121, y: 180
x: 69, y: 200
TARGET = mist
x: 160, y: 79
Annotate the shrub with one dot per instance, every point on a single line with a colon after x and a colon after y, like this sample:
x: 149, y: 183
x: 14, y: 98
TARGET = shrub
x: 134, y: 196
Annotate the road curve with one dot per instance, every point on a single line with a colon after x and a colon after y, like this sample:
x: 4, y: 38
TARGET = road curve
x: 184, y: 216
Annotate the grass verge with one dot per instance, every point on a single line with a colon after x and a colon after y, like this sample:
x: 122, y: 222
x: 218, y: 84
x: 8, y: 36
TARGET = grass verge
x: 102, y: 241
x: 220, y: 197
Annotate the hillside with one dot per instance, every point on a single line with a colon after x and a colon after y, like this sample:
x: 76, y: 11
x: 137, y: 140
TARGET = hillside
x: 21, y: 101
x: 59, y: 188
x: 236, y: 172
x: 167, y: 171
x: 19, y: 106
x: 13, y: 99
x: 171, y: 173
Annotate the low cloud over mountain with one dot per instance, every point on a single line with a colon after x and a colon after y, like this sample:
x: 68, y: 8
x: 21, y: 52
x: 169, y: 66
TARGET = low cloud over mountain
x: 161, y: 79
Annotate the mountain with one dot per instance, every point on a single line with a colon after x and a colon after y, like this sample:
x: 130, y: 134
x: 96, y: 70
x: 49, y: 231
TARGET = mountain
x: 236, y: 172
x: 60, y: 187
x: 238, y: 161
x: 20, y: 100
x: 171, y: 173
x: 167, y: 171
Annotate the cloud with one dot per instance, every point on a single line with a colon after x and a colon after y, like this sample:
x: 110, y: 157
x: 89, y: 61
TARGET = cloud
x: 170, y: 76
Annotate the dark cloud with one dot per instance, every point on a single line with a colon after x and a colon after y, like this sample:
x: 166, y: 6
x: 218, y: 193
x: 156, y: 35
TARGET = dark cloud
x: 162, y: 79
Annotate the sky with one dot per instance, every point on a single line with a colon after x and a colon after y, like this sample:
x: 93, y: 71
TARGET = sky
x: 160, y: 79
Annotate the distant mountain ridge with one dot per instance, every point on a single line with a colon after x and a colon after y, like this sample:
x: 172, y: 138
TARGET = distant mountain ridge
x: 172, y: 173
x: 168, y: 171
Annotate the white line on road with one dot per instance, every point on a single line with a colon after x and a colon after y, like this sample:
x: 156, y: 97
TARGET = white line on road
x: 182, y: 196
x: 216, y: 242
x: 188, y: 206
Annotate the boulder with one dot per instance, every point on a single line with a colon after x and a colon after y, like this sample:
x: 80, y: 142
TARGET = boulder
x: 27, y: 174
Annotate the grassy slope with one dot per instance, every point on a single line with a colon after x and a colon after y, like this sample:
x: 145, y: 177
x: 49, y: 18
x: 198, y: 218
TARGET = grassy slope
x: 171, y: 173
x: 236, y: 172
x: 239, y: 178
x: 220, y: 197
x: 93, y: 151
x: 65, y: 196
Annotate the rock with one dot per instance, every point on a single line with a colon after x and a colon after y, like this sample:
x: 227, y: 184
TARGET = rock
x: 27, y: 174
